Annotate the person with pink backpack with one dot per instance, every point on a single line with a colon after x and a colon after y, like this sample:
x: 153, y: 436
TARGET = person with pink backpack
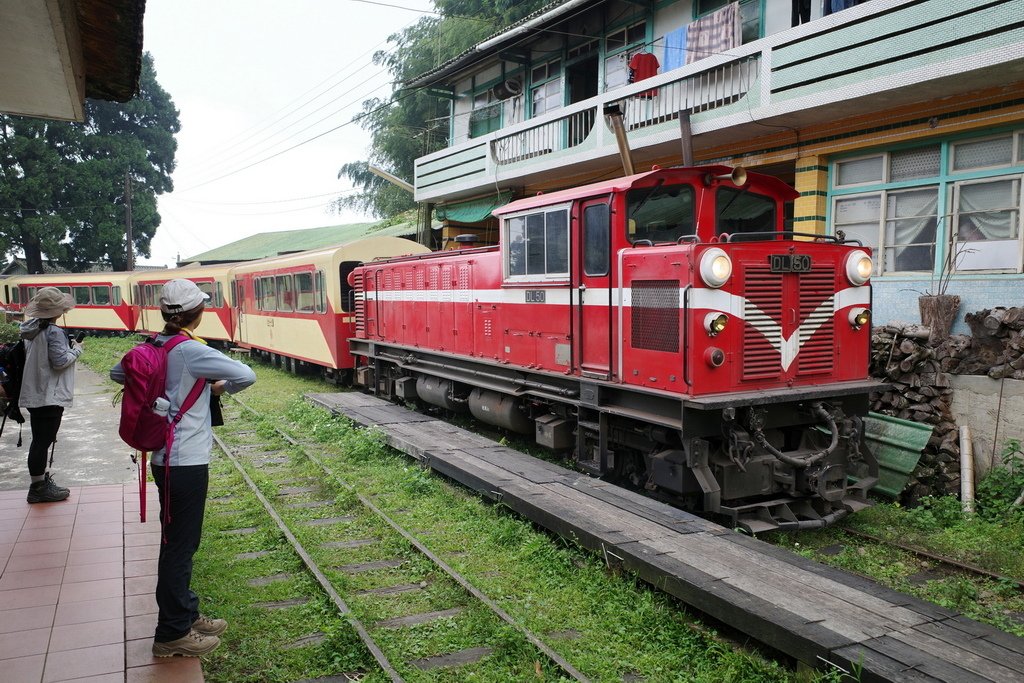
x: 194, y: 373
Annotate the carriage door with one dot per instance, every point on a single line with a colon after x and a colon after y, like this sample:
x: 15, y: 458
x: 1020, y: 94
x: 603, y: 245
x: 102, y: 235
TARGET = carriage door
x: 593, y: 300
x: 238, y: 309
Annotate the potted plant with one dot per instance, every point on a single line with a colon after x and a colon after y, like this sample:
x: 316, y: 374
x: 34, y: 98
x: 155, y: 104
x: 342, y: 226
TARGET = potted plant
x: 938, y: 309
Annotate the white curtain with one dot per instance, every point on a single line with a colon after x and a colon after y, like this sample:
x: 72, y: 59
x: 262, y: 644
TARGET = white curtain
x: 988, y: 210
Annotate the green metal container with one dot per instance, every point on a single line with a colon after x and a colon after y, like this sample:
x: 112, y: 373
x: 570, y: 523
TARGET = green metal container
x: 897, y: 445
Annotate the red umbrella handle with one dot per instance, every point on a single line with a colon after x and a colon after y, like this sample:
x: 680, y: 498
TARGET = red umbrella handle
x: 142, y: 487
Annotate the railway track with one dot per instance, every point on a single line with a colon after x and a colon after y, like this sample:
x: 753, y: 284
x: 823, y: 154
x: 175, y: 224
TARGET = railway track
x: 288, y: 510
x: 954, y: 565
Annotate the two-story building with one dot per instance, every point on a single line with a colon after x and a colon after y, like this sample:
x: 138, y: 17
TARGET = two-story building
x: 900, y: 122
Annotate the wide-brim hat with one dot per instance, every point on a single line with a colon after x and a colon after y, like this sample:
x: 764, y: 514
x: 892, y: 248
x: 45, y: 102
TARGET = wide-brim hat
x: 180, y: 295
x: 49, y: 302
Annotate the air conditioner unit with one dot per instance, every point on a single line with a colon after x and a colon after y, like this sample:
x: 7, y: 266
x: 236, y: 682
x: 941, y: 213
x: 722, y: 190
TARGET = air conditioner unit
x: 506, y: 89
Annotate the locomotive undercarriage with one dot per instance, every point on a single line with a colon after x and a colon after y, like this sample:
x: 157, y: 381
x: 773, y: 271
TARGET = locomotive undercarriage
x: 764, y: 461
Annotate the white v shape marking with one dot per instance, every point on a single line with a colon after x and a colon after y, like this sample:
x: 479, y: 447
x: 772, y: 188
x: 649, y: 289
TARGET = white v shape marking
x: 789, y: 347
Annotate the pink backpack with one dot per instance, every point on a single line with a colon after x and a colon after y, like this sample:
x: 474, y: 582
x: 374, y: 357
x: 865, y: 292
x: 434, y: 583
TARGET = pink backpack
x: 142, y: 427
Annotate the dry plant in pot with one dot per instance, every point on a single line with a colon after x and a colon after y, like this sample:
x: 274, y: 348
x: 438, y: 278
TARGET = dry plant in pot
x: 938, y: 309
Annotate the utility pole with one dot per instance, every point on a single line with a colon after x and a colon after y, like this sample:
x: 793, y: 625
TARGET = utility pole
x: 130, y: 254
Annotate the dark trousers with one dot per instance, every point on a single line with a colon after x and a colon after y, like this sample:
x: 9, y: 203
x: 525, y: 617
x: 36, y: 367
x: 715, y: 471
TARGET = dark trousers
x: 45, y: 424
x: 178, y: 605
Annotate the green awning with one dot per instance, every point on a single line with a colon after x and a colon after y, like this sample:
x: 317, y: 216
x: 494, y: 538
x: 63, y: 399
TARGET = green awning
x: 472, y: 211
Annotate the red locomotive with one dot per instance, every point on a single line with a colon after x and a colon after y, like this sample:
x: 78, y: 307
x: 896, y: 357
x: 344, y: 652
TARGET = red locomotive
x: 663, y: 327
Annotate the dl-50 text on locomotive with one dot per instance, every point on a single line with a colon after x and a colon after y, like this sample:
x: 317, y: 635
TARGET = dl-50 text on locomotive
x: 661, y: 328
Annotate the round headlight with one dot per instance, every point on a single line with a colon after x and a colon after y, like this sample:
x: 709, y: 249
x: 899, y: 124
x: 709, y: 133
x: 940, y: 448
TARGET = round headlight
x: 859, y: 317
x: 714, y: 323
x: 715, y: 267
x: 858, y: 267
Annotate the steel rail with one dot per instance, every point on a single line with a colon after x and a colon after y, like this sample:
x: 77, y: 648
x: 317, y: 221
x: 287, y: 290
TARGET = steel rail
x: 966, y: 566
x: 556, y: 658
x: 314, y: 569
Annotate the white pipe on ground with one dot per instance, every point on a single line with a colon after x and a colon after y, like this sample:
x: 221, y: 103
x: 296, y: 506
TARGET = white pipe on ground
x: 966, y: 470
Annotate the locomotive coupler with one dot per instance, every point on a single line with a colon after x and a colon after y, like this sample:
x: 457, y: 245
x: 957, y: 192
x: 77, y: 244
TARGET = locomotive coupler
x: 818, y: 410
x: 829, y: 482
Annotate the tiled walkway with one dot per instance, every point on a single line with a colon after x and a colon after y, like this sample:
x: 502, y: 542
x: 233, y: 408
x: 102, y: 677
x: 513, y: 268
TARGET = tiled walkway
x: 76, y: 589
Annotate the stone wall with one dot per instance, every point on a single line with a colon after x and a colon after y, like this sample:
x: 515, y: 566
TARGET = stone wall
x: 993, y: 409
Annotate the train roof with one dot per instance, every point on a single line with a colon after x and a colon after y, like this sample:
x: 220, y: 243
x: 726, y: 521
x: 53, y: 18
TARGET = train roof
x: 110, y: 276
x: 757, y: 182
x: 365, y: 249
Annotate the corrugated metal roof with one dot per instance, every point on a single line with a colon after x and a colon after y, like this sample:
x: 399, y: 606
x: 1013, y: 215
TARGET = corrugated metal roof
x: 474, y: 54
x: 267, y: 244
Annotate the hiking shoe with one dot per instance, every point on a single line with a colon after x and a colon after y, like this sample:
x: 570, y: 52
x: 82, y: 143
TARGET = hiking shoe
x: 192, y: 644
x: 47, y: 491
x: 208, y: 626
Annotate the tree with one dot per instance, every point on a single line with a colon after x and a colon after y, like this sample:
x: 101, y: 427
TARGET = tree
x: 414, y: 123
x: 62, y: 185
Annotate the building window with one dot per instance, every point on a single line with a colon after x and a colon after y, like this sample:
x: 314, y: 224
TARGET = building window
x: 537, y: 245
x: 620, y: 45
x: 914, y: 213
x: 986, y: 224
x: 750, y: 15
x: 546, y: 87
x: 486, y: 115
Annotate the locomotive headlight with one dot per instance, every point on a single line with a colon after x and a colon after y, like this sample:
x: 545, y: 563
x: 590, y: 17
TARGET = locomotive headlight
x: 858, y: 267
x: 714, y: 323
x: 715, y: 267
x: 859, y: 317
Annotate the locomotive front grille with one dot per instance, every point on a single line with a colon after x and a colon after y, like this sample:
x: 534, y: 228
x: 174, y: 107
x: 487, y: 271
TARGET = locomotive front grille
x: 654, y: 315
x: 817, y: 315
x: 762, y: 335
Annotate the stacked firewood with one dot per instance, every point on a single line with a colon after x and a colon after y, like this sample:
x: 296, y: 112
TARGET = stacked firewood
x: 918, y: 375
x: 997, y: 344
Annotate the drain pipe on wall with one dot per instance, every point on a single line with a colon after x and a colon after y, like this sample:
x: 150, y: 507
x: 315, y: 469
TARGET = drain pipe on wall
x: 966, y: 470
x: 613, y: 114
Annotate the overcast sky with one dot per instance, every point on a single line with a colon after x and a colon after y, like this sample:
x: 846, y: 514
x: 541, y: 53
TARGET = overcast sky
x: 252, y: 78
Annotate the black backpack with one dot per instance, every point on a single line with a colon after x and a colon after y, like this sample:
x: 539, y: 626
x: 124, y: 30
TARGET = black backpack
x: 12, y: 361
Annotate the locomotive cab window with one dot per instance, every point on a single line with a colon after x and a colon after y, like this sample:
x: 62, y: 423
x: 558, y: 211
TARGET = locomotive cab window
x: 537, y: 245
x: 739, y: 211
x: 661, y: 213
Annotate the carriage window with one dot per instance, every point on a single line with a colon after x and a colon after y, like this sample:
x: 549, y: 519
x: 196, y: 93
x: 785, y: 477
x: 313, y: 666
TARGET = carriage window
x: 31, y: 293
x: 147, y: 295
x: 81, y: 296
x: 596, y: 239
x: 537, y: 245
x: 268, y: 297
x: 116, y: 295
x: 739, y: 211
x: 219, y: 292
x: 101, y: 296
x: 16, y: 295
x: 321, y: 294
x: 661, y: 213
x: 285, y: 294
x: 207, y: 289
x: 304, y: 297
x: 66, y: 290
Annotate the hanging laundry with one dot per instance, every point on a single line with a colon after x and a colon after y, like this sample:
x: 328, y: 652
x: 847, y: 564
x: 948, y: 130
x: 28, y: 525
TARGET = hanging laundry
x: 713, y: 33
x: 643, y: 65
x: 675, y: 50
x: 801, y: 11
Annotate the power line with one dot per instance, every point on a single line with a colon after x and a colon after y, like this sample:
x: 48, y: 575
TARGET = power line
x: 271, y: 201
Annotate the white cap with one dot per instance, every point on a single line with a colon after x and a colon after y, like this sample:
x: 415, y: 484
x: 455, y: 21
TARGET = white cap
x: 181, y: 295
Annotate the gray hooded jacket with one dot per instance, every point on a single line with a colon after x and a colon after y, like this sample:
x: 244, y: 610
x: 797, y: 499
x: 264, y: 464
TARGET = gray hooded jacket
x: 49, y: 378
